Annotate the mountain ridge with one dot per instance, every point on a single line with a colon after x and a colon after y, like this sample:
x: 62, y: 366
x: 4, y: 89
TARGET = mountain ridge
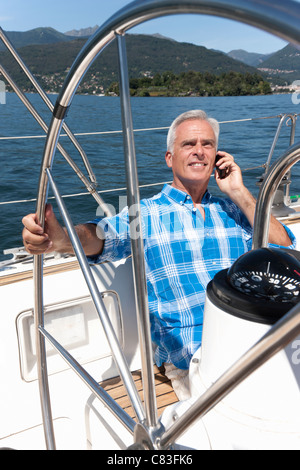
x: 83, y: 32
x: 49, y: 55
x: 35, y: 36
x: 250, y: 58
x: 147, y: 55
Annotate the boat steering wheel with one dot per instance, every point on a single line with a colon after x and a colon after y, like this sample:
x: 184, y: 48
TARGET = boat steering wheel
x: 274, y: 16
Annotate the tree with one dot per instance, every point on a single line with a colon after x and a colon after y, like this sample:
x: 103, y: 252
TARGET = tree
x: 134, y: 83
x: 157, y: 80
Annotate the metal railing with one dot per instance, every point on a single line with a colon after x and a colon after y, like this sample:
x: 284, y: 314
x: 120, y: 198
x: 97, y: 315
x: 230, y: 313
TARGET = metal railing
x: 281, y: 197
x: 265, y: 165
x: 272, y: 16
x: 266, y: 195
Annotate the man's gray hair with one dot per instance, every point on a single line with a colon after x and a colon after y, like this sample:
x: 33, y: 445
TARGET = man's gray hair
x: 196, y: 114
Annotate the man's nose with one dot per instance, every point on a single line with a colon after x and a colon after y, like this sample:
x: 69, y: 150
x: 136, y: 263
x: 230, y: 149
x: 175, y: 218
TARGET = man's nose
x: 199, y: 149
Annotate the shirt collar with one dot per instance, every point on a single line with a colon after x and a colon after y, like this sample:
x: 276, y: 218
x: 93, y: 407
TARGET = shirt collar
x: 181, y: 197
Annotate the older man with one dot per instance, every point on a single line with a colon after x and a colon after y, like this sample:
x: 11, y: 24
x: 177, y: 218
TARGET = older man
x: 188, y: 234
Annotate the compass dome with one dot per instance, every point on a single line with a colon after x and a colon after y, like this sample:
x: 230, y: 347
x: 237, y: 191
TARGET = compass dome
x: 268, y: 273
x: 261, y: 286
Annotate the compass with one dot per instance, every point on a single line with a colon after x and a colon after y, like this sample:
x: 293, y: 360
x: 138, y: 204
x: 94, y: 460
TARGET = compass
x: 268, y: 273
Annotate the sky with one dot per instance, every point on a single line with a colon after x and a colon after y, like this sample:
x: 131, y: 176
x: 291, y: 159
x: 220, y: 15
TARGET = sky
x: 65, y: 15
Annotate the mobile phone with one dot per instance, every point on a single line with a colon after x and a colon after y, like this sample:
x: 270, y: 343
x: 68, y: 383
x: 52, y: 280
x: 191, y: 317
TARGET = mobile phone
x: 221, y: 173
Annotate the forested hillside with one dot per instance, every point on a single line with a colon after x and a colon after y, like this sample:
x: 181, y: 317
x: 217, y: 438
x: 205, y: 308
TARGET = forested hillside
x: 147, y: 57
x: 196, y: 84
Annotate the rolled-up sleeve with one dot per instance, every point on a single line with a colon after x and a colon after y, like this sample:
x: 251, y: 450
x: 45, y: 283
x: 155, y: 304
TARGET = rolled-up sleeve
x: 291, y: 236
x: 115, y: 232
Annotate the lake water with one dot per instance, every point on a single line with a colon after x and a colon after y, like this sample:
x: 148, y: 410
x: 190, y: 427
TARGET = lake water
x: 248, y: 141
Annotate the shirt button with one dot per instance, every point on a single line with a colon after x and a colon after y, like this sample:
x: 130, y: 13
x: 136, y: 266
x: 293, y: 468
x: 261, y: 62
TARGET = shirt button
x: 181, y: 202
x: 194, y: 209
x: 188, y: 197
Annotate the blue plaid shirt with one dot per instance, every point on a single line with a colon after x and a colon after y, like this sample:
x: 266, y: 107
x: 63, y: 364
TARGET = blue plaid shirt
x: 183, y: 252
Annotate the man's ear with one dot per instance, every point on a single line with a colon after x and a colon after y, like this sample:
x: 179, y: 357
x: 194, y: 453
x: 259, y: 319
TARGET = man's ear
x: 168, y: 158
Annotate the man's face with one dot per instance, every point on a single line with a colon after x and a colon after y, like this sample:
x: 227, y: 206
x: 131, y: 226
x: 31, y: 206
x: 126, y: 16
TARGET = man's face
x: 194, y: 153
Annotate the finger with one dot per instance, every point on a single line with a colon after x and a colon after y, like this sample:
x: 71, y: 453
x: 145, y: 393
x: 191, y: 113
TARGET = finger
x: 228, y: 160
x: 225, y: 163
x: 38, y: 249
x: 34, y: 239
x: 223, y: 154
x: 34, y: 242
x: 30, y: 223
